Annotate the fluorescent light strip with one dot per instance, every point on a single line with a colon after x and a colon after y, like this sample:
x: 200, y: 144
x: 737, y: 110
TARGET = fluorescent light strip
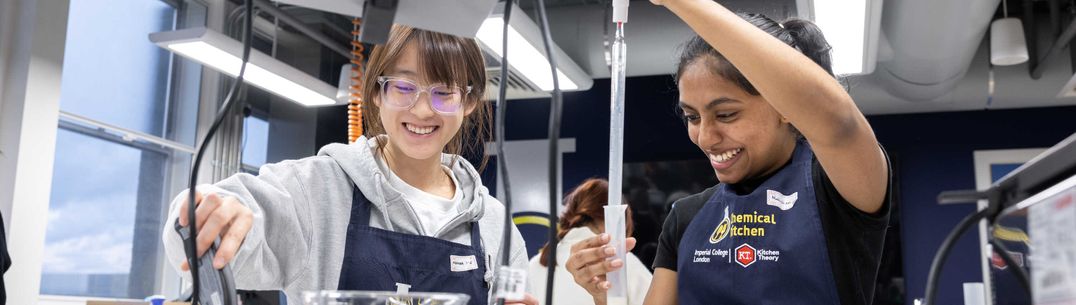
x: 229, y: 64
x: 525, y: 57
x: 844, y: 24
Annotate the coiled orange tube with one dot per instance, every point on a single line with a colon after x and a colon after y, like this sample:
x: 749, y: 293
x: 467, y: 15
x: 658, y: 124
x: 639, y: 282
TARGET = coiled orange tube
x: 354, y: 107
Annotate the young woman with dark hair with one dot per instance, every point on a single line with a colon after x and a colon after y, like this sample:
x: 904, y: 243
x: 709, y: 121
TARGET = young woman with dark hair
x: 801, y: 211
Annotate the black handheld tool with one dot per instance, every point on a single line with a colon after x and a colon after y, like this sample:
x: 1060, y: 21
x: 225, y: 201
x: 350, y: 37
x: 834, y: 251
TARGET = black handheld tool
x: 211, y: 286
x: 217, y: 286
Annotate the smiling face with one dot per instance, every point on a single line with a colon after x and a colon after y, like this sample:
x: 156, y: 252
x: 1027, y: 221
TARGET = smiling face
x: 405, y: 86
x: 741, y: 134
x: 419, y: 131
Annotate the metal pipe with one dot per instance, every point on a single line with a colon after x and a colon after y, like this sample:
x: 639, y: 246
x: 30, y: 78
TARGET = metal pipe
x: 1031, y: 37
x: 1072, y: 51
x: 345, y: 35
x: 321, y: 38
x: 1055, y: 18
x: 1072, y: 59
x: 1037, y: 67
x: 338, y: 31
x: 234, y: 15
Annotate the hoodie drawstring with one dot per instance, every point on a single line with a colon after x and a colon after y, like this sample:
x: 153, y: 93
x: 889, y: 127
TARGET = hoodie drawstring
x: 381, y: 194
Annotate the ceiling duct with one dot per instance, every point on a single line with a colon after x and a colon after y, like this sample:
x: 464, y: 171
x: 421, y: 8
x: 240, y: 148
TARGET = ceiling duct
x: 931, y: 43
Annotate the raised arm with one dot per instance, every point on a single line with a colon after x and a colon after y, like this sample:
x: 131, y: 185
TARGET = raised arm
x: 804, y: 93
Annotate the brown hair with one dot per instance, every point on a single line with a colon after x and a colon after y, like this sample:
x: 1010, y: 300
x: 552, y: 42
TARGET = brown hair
x: 585, y: 205
x: 443, y: 59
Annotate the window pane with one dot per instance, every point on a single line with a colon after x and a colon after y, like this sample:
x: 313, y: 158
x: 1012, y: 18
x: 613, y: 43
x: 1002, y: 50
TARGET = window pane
x: 255, y: 141
x: 105, y: 217
x: 112, y: 72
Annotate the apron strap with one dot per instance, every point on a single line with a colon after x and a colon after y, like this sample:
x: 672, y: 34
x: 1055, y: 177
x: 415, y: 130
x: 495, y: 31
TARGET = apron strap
x: 476, y: 237
x: 360, y: 209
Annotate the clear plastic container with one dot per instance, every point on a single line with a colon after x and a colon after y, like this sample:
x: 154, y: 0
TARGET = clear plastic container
x: 616, y: 117
x: 616, y: 226
x: 614, y: 210
x: 334, y: 297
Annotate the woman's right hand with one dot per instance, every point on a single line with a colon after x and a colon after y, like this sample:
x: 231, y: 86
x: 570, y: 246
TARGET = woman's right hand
x: 588, y: 264
x: 222, y: 216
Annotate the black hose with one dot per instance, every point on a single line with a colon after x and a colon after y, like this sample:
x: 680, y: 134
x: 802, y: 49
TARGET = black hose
x: 1015, y: 268
x: 554, y: 152
x: 943, y: 252
x: 502, y: 162
x: 192, y: 244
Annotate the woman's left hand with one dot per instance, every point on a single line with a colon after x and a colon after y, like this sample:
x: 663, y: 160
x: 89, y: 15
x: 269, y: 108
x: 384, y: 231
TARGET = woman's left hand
x: 528, y: 299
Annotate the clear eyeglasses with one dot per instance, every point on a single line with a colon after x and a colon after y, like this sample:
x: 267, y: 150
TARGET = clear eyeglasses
x: 403, y: 93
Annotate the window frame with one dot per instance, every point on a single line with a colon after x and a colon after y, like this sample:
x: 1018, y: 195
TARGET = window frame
x: 165, y: 280
x: 261, y: 114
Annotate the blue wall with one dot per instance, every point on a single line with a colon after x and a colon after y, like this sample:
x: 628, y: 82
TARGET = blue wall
x: 652, y: 130
x: 934, y: 154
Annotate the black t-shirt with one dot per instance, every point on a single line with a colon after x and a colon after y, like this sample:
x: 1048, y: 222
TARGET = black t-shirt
x: 854, y: 239
x: 5, y: 261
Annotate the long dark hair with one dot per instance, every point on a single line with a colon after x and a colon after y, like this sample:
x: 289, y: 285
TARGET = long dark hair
x: 801, y: 34
x: 585, y: 205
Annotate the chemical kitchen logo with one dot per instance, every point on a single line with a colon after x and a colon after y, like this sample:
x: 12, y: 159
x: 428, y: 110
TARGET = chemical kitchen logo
x: 746, y: 255
x: 747, y: 225
x: 722, y: 229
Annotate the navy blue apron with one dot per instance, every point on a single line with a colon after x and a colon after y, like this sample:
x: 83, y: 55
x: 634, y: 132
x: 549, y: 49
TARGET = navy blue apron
x: 766, y: 247
x: 382, y: 260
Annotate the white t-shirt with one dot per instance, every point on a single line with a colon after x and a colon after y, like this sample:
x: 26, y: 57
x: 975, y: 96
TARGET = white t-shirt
x: 433, y: 211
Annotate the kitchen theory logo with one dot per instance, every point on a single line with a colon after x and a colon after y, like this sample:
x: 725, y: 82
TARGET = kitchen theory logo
x: 745, y: 255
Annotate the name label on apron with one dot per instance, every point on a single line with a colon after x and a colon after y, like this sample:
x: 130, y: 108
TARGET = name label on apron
x: 781, y: 201
x: 463, y: 263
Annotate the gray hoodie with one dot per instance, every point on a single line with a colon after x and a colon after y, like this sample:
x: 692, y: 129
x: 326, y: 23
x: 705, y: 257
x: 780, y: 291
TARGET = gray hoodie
x: 302, y: 209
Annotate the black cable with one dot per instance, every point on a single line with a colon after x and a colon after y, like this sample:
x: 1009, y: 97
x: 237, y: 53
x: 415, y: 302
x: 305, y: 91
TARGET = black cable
x: 554, y: 166
x: 192, y: 245
x: 943, y: 252
x: 502, y: 162
x: 1015, y: 268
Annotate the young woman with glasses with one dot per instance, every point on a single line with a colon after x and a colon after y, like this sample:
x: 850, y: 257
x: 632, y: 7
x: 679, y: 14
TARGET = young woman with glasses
x: 399, y: 209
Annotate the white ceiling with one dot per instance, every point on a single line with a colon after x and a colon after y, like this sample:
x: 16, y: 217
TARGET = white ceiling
x: 653, y: 36
x: 1014, y: 88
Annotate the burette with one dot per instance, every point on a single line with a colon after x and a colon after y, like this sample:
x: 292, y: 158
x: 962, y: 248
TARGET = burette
x: 615, y: 210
